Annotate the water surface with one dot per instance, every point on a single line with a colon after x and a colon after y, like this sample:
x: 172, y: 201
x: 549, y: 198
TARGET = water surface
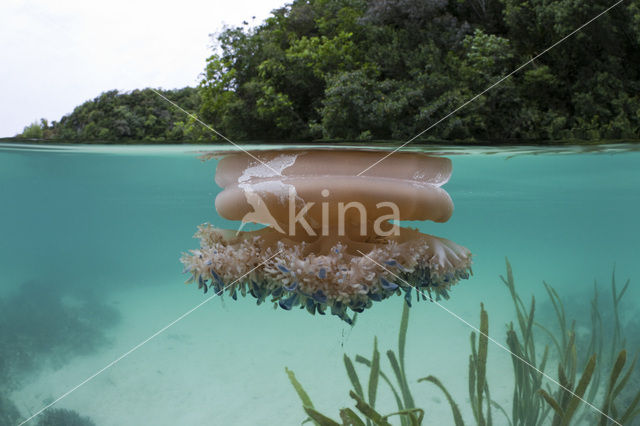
x: 89, y: 268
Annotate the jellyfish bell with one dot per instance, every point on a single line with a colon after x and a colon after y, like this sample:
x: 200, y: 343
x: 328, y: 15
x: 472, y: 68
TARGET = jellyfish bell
x: 323, y: 189
x: 332, y: 239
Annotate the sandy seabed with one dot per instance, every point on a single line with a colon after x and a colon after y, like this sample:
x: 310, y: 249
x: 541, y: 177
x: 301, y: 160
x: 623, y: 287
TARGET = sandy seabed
x: 224, y: 363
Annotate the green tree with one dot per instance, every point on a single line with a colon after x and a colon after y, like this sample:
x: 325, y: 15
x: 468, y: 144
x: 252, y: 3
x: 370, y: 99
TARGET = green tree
x: 136, y: 116
x: 389, y: 69
x: 33, y: 131
x: 355, y: 69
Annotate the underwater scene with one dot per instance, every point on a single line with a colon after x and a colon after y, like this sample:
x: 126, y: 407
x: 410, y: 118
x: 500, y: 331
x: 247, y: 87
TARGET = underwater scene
x: 328, y: 285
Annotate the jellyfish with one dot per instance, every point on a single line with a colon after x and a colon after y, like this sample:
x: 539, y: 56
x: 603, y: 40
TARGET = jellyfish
x: 332, y: 239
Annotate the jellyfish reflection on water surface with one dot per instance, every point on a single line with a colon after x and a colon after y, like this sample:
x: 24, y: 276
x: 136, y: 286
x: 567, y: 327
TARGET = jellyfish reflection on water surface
x: 332, y: 240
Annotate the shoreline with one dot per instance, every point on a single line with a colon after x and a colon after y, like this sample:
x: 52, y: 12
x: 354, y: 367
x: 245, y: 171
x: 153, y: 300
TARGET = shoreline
x: 330, y: 142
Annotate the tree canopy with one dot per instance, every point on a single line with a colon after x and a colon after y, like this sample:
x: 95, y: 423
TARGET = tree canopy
x: 389, y: 69
x: 136, y: 116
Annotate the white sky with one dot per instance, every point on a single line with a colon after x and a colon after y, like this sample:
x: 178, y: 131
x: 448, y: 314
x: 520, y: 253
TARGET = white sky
x: 56, y: 54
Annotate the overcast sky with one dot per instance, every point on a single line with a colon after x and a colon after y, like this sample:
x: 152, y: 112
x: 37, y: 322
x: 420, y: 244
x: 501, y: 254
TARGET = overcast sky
x: 55, y: 55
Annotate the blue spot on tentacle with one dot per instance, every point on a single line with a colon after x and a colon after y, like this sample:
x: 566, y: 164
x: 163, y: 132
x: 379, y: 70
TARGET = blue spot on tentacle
x: 376, y: 297
x: 357, y: 306
x: 311, y: 306
x: 319, y: 296
x: 322, y: 274
x: 218, y: 286
x: 339, y: 309
x: 444, y: 294
x: 387, y: 285
x: 202, y: 283
x: 216, y: 277
x: 291, y: 286
x: 288, y: 303
x: 407, y: 297
x: 257, y: 292
x: 283, y: 269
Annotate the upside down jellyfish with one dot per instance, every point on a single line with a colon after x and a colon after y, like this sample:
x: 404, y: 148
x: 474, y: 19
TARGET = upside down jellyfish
x: 332, y: 240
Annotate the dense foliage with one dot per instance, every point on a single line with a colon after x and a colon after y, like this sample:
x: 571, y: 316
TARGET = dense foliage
x: 140, y: 115
x: 389, y: 69
x: 362, y: 69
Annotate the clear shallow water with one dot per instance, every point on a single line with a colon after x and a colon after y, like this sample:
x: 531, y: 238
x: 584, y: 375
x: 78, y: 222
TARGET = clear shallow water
x: 96, y: 235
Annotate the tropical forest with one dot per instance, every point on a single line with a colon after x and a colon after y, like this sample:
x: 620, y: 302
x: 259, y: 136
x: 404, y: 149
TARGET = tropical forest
x: 444, y: 70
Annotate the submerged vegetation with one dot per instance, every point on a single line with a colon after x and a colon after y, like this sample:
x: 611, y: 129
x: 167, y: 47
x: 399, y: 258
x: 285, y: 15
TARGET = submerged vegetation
x: 388, y: 69
x: 590, y: 382
x: 9, y: 414
x: 63, y: 417
x: 42, y: 325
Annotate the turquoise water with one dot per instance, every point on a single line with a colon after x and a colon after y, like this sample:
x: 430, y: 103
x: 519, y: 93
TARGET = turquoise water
x: 89, y: 268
